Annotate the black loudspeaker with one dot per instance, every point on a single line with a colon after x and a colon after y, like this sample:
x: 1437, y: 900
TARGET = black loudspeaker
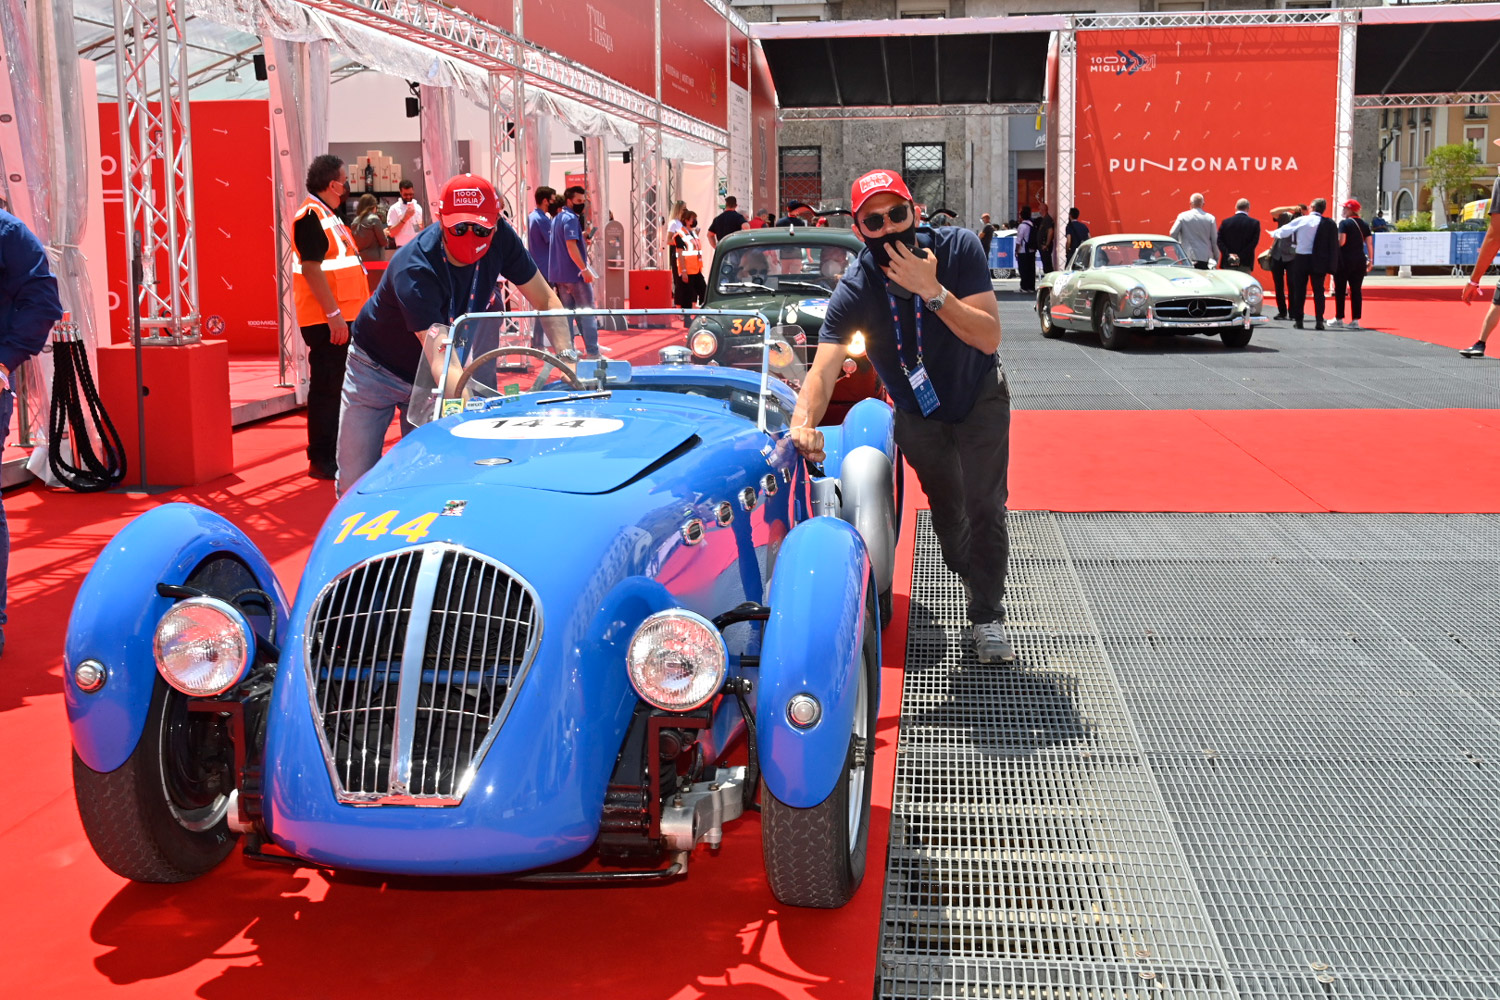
x: 413, y: 107
x: 625, y: 156
x: 260, y: 66
x: 577, y: 147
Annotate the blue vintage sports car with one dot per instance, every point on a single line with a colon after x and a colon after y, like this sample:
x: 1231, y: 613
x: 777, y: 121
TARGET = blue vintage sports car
x: 531, y: 641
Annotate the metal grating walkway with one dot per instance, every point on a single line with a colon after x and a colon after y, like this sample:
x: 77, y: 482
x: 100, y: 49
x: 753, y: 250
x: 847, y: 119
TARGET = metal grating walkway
x: 1241, y: 757
x: 1283, y: 368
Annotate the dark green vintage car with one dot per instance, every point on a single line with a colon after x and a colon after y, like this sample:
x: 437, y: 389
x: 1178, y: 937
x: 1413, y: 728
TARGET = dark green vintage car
x: 787, y: 274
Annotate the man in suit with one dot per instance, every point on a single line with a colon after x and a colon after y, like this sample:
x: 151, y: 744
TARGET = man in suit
x: 1317, y: 242
x: 1239, y: 236
x: 1195, y: 229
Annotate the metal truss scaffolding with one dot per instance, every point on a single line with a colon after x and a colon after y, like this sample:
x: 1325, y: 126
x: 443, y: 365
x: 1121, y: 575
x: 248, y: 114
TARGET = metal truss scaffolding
x: 1379, y: 101
x: 1063, y: 145
x: 1343, y: 127
x: 156, y: 165
x: 905, y: 111
x: 647, y: 217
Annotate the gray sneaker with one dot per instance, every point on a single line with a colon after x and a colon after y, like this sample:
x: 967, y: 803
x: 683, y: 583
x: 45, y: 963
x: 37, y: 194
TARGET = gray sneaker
x: 1353, y: 325
x: 990, y: 644
x: 1334, y: 324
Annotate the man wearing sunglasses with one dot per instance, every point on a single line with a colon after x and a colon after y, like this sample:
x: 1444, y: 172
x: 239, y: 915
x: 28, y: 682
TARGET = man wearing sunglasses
x: 924, y: 302
x: 448, y: 270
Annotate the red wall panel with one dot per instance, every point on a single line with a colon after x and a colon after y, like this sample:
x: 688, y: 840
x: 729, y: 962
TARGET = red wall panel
x: 500, y: 13
x: 739, y: 59
x: 613, y: 37
x: 234, y: 213
x: 694, y: 60
x: 763, y: 131
x: 1230, y: 112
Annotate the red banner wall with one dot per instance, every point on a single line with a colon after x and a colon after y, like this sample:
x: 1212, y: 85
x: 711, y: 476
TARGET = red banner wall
x: 234, y: 212
x: 613, y: 37
x: 694, y: 60
x: 500, y: 13
x: 739, y: 59
x: 1229, y: 112
x: 763, y: 154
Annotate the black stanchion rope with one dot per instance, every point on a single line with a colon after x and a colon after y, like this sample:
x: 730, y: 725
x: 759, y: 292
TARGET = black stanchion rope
x: 72, y: 386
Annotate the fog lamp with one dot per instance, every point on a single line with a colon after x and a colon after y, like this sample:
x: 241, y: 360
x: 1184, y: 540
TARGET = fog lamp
x: 203, y: 646
x: 803, y: 711
x: 677, y: 660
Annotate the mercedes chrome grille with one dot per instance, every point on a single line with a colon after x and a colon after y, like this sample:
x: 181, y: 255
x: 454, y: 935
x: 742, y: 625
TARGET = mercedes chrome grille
x: 413, y: 660
x: 1197, y: 310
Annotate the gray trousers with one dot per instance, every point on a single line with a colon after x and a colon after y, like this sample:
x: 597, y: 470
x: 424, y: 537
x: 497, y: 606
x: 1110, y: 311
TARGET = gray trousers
x: 964, y: 470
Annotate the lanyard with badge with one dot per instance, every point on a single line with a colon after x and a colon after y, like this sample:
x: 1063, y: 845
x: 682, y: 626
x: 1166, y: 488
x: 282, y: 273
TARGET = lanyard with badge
x: 473, y: 296
x: 921, y: 385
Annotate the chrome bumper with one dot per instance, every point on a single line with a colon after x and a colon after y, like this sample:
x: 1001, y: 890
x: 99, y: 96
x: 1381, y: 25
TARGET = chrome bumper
x: 1152, y: 323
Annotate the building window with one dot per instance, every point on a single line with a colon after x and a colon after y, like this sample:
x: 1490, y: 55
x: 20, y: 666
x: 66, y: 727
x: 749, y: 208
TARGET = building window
x: 1177, y: 6
x: 1396, y: 147
x: 1403, y: 204
x: 1477, y: 111
x: 924, y: 167
x: 921, y: 8
x: 1426, y: 143
x: 802, y: 174
x: 1307, y: 4
x: 1477, y: 136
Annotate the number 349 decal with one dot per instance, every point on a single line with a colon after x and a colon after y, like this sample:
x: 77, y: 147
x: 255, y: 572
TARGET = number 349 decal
x: 413, y: 531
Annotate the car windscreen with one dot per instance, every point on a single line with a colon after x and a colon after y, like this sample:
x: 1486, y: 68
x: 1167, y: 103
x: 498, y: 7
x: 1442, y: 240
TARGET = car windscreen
x: 1131, y: 253
x: 810, y: 269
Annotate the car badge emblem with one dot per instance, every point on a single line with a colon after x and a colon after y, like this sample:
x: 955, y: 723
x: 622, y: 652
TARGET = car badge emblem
x: 1195, y: 308
x: 453, y: 508
x: 474, y: 405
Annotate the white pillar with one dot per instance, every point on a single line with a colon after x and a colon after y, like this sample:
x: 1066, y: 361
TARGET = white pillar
x: 1343, y: 141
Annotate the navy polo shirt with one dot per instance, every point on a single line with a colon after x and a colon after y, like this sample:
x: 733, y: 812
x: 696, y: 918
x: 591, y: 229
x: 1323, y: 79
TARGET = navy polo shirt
x: 958, y: 372
x: 422, y: 287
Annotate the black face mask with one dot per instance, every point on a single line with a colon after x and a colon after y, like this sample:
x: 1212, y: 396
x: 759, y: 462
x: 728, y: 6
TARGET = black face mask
x: 880, y: 246
x: 578, y: 208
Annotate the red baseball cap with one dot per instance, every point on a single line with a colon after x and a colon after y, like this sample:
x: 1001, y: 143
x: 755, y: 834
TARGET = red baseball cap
x: 873, y: 183
x: 469, y: 198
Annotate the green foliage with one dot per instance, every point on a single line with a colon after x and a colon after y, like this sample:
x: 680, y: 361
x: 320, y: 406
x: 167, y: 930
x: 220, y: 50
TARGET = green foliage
x: 1454, y: 169
x: 1419, y: 222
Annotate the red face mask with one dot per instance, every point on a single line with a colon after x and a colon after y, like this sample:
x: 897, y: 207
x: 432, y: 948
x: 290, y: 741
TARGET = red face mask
x: 468, y: 248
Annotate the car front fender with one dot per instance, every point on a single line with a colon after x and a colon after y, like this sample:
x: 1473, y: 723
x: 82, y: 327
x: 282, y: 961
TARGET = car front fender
x: 813, y: 645
x: 115, y: 616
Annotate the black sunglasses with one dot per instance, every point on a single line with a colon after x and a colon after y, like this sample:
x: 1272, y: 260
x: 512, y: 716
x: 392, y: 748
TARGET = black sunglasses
x: 464, y: 228
x: 897, y: 215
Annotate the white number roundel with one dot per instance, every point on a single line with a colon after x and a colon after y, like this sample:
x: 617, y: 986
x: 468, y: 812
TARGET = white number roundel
x: 531, y: 428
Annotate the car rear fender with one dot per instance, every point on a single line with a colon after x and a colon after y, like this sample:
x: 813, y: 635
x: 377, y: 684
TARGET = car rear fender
x: 819, y: 598
x: 115, y: 616
x: 868, y: 422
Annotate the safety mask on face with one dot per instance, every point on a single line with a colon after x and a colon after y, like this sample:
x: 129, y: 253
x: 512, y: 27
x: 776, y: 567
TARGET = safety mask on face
x: 880, y: 246
x: 578, y: 208
x: 468, y: 248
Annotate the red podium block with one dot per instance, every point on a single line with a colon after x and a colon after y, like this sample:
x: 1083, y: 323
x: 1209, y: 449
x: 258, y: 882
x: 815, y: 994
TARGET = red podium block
x: 650, y: 289
x: 189, y: 436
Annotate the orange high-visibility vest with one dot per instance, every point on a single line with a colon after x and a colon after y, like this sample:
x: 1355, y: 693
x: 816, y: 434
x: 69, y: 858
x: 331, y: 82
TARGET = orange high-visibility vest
x: 690, y: 258
x: 342, y: 267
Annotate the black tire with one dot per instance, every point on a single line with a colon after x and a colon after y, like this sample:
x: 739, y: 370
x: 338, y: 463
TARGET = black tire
x: 155, y: 818
x: 811, y: 858
x: 887, y: 608
x: 1050, y: 329
x: 1111, y: 337
x: 1236, y: 338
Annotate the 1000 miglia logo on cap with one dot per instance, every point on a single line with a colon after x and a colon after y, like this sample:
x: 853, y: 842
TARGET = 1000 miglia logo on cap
x: 873, y: 181
x: 468, y: 198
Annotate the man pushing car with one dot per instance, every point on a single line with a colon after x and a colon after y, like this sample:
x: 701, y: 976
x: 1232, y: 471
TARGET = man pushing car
x: 924, y: 302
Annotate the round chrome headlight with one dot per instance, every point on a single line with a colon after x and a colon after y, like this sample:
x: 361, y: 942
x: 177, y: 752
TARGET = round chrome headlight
x: 705, y: 344
x: 677, y: 660
x: 203, y: 646
x: 1137, y: 296
x: 1253, y: 295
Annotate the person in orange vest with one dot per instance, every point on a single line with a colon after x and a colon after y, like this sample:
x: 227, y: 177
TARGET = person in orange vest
x: 329, y: 287
x: 692, y: 287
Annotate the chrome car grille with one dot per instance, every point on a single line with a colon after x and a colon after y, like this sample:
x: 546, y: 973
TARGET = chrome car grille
x: 1194, y: 310
x: 413, y: 659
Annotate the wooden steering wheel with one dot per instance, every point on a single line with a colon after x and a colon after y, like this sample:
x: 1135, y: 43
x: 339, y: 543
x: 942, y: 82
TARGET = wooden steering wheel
x: 567, y: 373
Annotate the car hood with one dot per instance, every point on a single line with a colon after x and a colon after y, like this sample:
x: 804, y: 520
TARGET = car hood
x: 560, y: 449
x: 1166, y: 282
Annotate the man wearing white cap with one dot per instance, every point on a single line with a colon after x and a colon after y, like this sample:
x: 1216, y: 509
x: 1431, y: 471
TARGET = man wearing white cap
x: 448, y: 270
x: 1487, y: 251
x: 924, y: 302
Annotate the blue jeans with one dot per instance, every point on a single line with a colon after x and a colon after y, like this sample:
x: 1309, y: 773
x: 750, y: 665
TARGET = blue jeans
x: 580, y: 295
x: 371, y: 396
x: 7, y: 405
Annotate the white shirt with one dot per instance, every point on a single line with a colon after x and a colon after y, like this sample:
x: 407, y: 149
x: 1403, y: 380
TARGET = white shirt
x: 1198, y: 233
x: 410, y: 211
x: 1303, y: 229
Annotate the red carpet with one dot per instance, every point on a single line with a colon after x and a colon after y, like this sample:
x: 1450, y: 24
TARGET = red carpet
x: 73, y: 929
x: 1440, y: 461
x: 1431, y: 313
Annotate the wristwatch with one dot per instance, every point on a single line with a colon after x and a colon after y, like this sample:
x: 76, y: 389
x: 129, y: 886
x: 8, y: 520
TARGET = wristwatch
x: 937, y: 301
x: 568, y: 354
